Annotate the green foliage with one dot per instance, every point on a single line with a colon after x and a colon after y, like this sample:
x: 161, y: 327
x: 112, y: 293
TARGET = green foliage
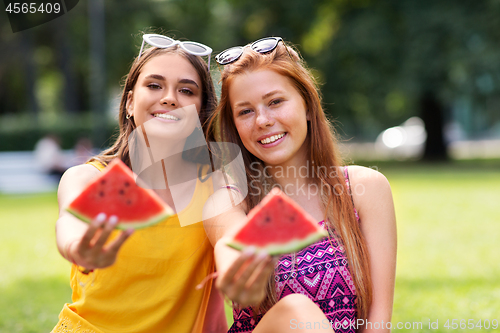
x: 402, y: 48
x: 374, y: 57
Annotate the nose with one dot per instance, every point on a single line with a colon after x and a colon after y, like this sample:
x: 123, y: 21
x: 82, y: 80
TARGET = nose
x: 169, y: 98
x: 264, y: 118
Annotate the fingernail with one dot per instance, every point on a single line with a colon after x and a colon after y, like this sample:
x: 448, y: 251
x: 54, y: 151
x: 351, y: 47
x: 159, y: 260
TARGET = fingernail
x: 249, y: 251
x: 262, y: 255
x: 101, y: 217
x: 113, y: 220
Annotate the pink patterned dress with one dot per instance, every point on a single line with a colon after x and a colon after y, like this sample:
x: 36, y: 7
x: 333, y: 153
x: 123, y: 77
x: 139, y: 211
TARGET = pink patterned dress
x: 320, y: 272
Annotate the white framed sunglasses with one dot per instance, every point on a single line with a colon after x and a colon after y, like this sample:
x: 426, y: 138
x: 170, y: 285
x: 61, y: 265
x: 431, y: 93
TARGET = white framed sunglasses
x: 164, y: 42
x: 262, y: 46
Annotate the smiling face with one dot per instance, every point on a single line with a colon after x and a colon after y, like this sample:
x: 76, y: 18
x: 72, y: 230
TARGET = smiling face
x: 166, y: 83
x: 270, y: 117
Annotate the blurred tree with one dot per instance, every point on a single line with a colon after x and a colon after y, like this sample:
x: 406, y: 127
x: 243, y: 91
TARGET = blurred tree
x: 389, y: 57
x: 375, y: 59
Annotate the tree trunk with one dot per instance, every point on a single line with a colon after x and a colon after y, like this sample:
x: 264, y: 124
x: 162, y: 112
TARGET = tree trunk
x: 432, y: 113
x: 97, y: 71
x: 65, y: 63
x: 30, y: 70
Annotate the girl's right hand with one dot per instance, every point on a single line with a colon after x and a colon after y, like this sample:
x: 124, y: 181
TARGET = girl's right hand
x: 245, y: 281
x: 90, y: 251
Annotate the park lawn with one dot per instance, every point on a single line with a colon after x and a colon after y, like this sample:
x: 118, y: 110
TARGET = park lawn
x: 448, y: 255
x: 34, y: 279
x: 448, y: 249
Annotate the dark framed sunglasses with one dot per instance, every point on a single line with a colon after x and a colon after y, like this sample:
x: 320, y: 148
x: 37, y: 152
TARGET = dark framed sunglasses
x: 264, y: 45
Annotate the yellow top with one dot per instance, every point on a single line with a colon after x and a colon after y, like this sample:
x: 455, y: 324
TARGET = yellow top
x: 151, y: 286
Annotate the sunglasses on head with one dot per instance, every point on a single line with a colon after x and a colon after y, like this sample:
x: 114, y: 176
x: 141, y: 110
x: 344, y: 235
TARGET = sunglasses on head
x: 264, y: 45
x: 164, y: 42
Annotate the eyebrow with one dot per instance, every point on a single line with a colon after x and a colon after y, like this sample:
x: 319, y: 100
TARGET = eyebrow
x: 189, y: 81
x: 155, y: 76
x: 162, y: 78
x: 269, y: 94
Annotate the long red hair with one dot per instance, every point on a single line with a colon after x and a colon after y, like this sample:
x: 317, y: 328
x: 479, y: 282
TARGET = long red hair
x: 322, y: 152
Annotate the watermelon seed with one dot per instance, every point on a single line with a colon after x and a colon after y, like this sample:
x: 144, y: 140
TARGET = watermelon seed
x: 268, y: 219
x: 129, y: 202
x: 101, y: 194
x: 103, y: 181
x: 122, y: 192
x: 127, y: 184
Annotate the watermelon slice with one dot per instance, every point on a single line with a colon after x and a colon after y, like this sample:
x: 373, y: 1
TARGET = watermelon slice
x: 114, y: 192
x: 277, y: 225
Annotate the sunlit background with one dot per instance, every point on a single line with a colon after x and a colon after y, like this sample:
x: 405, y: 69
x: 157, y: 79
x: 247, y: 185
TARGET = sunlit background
x: 412, y: 86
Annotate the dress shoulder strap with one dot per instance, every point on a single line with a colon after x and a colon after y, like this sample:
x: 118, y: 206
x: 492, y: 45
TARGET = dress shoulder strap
x: 97, y: 164
x: 348, y: 184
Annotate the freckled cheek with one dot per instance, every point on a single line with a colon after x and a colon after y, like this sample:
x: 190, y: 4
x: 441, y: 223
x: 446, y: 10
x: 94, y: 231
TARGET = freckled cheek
x: 244, y: 132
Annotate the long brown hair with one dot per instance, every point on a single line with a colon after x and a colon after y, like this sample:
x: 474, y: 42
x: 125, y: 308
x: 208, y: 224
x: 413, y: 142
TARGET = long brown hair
x: 322, y: 152
x: 120, y: 149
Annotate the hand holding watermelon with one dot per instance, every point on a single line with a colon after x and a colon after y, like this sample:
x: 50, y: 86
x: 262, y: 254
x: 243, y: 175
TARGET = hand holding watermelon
x: 111, y: 200
x: 90, y: 251
x: 244, y: 282
x: 276, y: 226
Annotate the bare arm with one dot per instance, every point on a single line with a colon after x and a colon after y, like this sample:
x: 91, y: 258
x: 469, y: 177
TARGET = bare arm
x: 242, y: 275
x: 373, y: 199
x: 78, y: 241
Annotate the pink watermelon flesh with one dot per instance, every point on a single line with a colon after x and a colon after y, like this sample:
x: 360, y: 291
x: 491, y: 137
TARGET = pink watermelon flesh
x: 278, y: 225
x: 114, y: 192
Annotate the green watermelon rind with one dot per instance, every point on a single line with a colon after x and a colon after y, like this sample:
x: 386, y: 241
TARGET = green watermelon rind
x: 128, y: 225
x: 289, y: 247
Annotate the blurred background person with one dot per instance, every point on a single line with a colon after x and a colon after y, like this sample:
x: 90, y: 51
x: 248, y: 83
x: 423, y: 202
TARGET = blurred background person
x: 49, y: 156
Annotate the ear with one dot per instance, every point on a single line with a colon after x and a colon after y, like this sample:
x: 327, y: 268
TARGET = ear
x: 129, y: 103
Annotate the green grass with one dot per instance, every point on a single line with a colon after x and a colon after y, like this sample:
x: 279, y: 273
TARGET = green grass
x: 34, y: 279
x: 448, y: 252
x: 448, y: 249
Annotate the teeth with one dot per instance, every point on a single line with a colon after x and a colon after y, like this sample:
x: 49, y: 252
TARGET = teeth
x: 272, y: 138
x: 165, y: 116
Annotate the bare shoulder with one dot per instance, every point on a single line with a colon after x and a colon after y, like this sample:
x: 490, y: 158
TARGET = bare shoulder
x: 227, y: 192
x: 363, y: 175
x: 219, y: 180
x: 369, y: 189
x: 81, y: 171
x: 223, y: 200
x: 79, y: 174
x: 74, y: 181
